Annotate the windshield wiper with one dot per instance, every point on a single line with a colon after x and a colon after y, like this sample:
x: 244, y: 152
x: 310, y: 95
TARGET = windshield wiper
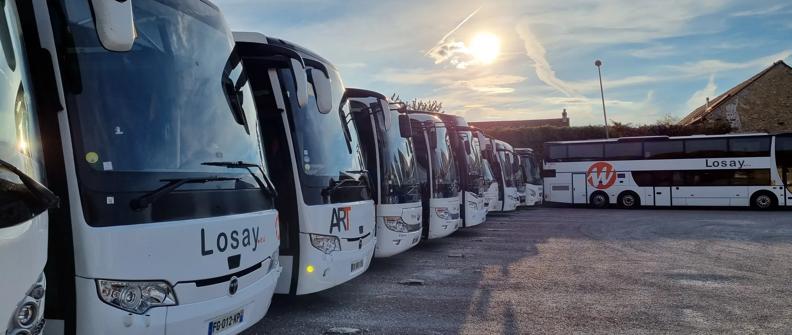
x: 269, y: 187
x: 40, y: 192
x: 147, y: 199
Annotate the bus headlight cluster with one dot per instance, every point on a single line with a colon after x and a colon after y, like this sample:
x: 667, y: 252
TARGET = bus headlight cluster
x: 28, y: 316
x: 325, y: 243
x: 275, y: 261
x: 395, y: 223
x: 443, y: 213
x: 136, y: 296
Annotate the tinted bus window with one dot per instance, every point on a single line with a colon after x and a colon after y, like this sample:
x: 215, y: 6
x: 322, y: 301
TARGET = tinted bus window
x: 751, y: 177
x: 663, y: 149
x: 585, y: 151
x: 715, y: 147
x: 557, y: 152
x: 749, y: 147
x: 620, y: 151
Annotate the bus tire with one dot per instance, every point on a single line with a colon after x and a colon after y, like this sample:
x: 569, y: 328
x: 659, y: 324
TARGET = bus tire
x: 629, y: 199
x: 763, y: 200
x: 599, y: 199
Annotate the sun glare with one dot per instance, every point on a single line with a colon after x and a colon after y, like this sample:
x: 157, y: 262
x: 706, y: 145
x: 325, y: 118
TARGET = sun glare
x: 485, y: 47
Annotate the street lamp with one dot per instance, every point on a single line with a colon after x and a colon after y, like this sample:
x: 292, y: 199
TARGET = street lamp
x: 598, y: 64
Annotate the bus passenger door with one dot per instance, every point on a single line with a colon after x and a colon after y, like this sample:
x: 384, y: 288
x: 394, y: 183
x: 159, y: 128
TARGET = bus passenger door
x: 662, y: 196
x: 579, y: 192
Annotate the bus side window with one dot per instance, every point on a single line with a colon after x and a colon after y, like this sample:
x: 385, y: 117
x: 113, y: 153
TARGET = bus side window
x: 584, y: 152
x: 556, y: 153
x: 706, y: 148
x: 749, y: 147
x: 663, y: 149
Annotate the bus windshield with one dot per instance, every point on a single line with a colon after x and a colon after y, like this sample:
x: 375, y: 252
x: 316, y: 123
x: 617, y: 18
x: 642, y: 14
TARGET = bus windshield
x: 489, y: 178
x: 159, y: 111
x: 472, y: 154
x: 326, y: 146
x: 507, y: 167
x: 398, y: 176
x: 444, y: 169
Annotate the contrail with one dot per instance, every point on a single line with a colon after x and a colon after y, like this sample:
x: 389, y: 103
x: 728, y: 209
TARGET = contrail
x: 442, y: 40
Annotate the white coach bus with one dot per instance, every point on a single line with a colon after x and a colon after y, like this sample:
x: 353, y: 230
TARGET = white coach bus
x: 166, y: 223
x: 724, y: 170
x: 326, y: 211
x: 529, y: 167
x: 23, y: 199
x: 386, y: 139
x: 492, y: 174
x: 438, y: 174
x: 509, y: 169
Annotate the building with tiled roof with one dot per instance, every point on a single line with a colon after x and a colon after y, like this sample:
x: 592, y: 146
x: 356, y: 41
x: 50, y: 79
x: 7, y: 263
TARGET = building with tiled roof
x: 763, y: 103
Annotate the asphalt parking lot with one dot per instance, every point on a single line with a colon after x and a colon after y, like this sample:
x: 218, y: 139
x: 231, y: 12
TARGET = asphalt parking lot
x: 566, y: 270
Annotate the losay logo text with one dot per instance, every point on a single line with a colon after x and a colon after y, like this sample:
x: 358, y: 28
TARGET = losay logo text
x: 601, y: 175
x: 248, y: 237
x: 340, y: 218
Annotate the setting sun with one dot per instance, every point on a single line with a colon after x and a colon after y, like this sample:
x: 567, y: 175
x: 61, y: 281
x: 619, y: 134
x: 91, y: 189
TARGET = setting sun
x: 485, y: 47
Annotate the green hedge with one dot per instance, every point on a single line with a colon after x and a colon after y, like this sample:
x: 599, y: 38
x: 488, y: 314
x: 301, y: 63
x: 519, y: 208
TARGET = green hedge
x: 535, y: 137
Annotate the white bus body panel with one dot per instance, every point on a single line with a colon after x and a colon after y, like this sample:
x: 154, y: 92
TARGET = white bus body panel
x: 390, y: 243
x: 332, y: 269
x: 533, y: 195
x: 179, y: 252
x: 511, y: 199
x: 491, y: 198
x: 573, y: 185
x: 23, y: 253
x: 440, y: 227
x: 475, y: 211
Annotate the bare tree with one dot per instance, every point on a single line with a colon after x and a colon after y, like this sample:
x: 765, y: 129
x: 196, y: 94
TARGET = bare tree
x: 420, y: 105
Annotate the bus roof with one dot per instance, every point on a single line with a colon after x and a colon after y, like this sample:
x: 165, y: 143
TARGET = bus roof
x: 650, y: 138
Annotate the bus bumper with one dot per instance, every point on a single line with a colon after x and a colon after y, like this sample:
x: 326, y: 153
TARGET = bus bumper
x: 390, y: 243
x: 475, y: 212
x: 327, y: 271
x: 253, y: 298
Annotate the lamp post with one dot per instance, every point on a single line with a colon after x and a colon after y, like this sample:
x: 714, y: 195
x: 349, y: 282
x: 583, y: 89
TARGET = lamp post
x: 598, y: 64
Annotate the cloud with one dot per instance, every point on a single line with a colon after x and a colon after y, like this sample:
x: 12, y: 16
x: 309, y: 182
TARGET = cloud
x: 452, y: 51
x: 772, y: 10
x: 709, y: 66
x: 654, y: 51
x: 536, y: 52
x: 700, y: 97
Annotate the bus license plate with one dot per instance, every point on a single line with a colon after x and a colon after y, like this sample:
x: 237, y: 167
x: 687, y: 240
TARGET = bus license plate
x: 357, y: 265
x: 219, y: 324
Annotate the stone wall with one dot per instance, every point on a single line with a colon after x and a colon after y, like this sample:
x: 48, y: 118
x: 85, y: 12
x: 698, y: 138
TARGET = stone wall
x: 763, y: 106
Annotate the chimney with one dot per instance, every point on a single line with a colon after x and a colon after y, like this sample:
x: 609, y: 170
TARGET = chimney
x: 565, y: 118
x: 707, y: 105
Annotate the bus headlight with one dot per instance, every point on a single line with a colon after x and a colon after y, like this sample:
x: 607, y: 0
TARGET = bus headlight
x: 325, y: 243
x: 136, y: 296
x: 443, y: 213
x: 26, y: 314
x: 395, y: 223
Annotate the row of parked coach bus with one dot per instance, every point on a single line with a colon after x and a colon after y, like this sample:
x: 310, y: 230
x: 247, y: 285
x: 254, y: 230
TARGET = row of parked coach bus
x: 161, y: 174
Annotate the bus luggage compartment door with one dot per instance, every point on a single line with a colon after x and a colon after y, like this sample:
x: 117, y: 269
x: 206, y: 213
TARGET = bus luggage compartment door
x: 579, y: 192
x: 662, y: 196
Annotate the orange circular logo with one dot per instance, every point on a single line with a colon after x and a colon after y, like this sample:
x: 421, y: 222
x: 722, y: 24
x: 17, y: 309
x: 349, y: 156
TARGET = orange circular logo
x: 601, y: 175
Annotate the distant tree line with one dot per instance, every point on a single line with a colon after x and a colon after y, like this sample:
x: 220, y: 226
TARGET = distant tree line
x: 419, y: 105
x: 535, y: 137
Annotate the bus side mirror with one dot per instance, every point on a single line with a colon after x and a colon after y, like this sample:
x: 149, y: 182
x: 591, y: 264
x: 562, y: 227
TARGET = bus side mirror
x: 467, y: 147
x: 324, y: 98
x: 115, y: 24
x: 404, y: 126
x: 301, y: 80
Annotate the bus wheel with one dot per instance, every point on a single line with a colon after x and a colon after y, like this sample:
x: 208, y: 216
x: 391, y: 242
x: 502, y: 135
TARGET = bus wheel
x: 763, y: 200
x: 629, y: 200
x: 599, y: 199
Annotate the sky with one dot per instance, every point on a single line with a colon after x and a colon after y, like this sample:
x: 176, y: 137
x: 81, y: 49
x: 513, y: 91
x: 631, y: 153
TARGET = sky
x: 660, y: 58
